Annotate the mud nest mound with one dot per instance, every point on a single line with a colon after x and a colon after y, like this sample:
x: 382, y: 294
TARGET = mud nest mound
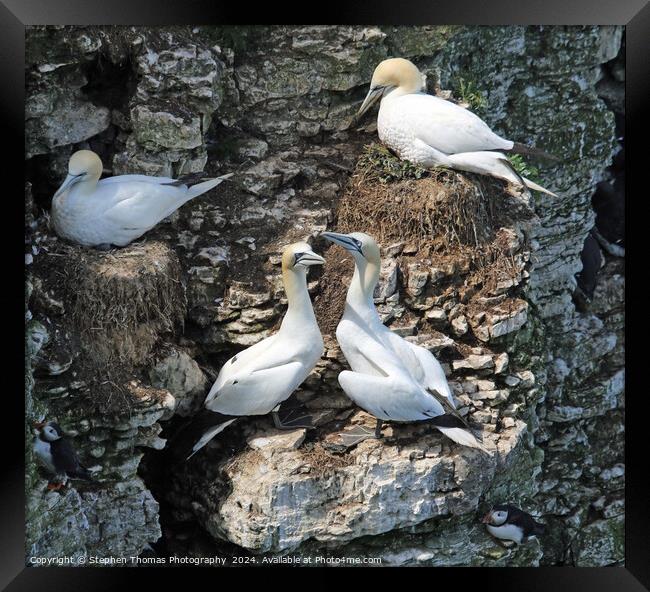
x: 453, y: 220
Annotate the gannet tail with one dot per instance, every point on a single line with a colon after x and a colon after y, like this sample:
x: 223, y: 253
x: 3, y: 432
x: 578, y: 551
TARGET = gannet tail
x: 494, y: 164
x: 451, y: 427
x: 532, y: 185
x: 199, y: 188
x: 518, y: 148
x: 195, y: 434
x: 463, y: 437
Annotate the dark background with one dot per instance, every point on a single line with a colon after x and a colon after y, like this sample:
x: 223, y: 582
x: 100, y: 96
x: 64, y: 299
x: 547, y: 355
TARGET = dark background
x: 15, y: 14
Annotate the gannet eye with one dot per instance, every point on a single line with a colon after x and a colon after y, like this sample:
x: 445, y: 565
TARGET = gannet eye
x: 357, y: 243
x: 297, y: 257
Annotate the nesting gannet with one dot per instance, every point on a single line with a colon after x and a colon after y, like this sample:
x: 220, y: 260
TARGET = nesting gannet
x: 507, y: 523
x: 57, y: 455
x: 430, y: 131
x: 116, y: 210
x: 255, y: 381
x: 391, y: 378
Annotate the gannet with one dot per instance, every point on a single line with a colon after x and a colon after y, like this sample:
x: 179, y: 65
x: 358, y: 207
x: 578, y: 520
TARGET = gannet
x: 57, y: 455
x: 508, y: 523
x: 430, y: 131
x: 256, y: 380
x: 115, y: 210
x: 391, y: 378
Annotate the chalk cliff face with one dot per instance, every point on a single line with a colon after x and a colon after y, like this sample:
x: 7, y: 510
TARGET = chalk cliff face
x: 274, y: 105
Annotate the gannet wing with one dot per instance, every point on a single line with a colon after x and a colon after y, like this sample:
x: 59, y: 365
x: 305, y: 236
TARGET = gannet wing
x: 136, y: 205
x: 365, y: 352
x: 237, y: 363
x: 138, y: 178
x: 433, y: 376
x: 259, y: 392
x: 393, y: 397
x: 404, y: 352
x: 448, y: 127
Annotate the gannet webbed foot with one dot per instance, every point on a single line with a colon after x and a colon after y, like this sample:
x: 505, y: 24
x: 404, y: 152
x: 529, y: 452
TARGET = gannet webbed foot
x: 359, y: 433
x: 292, y: 419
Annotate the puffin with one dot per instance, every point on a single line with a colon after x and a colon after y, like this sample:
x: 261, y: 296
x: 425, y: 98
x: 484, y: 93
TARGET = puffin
x: 117, y: 210
x: 432, y: 132
x: 55, y: 452
x: 257, y: 380
x: 390, y: 378
x: 508, y: 523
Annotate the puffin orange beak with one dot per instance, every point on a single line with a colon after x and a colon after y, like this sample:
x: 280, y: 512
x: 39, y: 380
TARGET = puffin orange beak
x: 487, y: 518
x: 39, y: 424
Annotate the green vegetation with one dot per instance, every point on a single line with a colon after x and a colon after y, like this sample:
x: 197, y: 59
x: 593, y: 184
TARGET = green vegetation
x: 378, y: 163
x: 467, y: 92
x: 523, y: 168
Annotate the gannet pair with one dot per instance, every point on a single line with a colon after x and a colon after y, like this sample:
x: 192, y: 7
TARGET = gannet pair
x: 256, y: 380
x: 116, y: 210
x: 430, y: 131
x: 391, y: 378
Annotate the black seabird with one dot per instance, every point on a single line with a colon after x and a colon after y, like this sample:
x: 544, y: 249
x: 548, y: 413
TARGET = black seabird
x: 508, y: 523
x: 57, y: 455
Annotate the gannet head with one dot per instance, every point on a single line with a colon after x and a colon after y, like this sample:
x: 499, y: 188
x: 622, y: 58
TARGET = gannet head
x: 84, y: 165
x: 361, y: 245
x: 391, y: 74
x: 299, y: 256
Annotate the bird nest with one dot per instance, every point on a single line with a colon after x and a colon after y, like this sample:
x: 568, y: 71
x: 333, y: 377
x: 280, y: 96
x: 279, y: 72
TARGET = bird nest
x: 125, y: 299
x: 118, y: 306
x: 438, y: 208
x: 451, y: 219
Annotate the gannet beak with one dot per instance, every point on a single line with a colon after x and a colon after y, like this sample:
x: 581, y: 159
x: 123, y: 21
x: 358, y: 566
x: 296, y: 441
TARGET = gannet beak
x: 69, y: 181
x: 343, y: 240
x: 369, y: 101
x: 310, y: 258
x: 487, y: 518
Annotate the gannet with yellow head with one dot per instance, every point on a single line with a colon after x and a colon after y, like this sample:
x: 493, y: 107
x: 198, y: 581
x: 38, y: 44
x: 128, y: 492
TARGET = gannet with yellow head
x: 430, y: 131
x: 391, y: 378
x: 255, y: 381
x: 116, y: 210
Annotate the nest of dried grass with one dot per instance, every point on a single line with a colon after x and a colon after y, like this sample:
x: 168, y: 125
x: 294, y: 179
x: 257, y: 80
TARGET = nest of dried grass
x: 322, y: 462
x: 400, y: 201
x: 118, y: 307
x: 125, y: 299
x: 450, y: 218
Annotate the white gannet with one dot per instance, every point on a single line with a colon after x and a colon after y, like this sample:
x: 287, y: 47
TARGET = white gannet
x: 391, y: 378
x: 430, y: 131
x: 255, y: 381
x: 116, y: 210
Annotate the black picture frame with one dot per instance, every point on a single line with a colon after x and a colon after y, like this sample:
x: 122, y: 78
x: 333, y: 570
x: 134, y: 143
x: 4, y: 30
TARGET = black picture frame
x: 16, y: 14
